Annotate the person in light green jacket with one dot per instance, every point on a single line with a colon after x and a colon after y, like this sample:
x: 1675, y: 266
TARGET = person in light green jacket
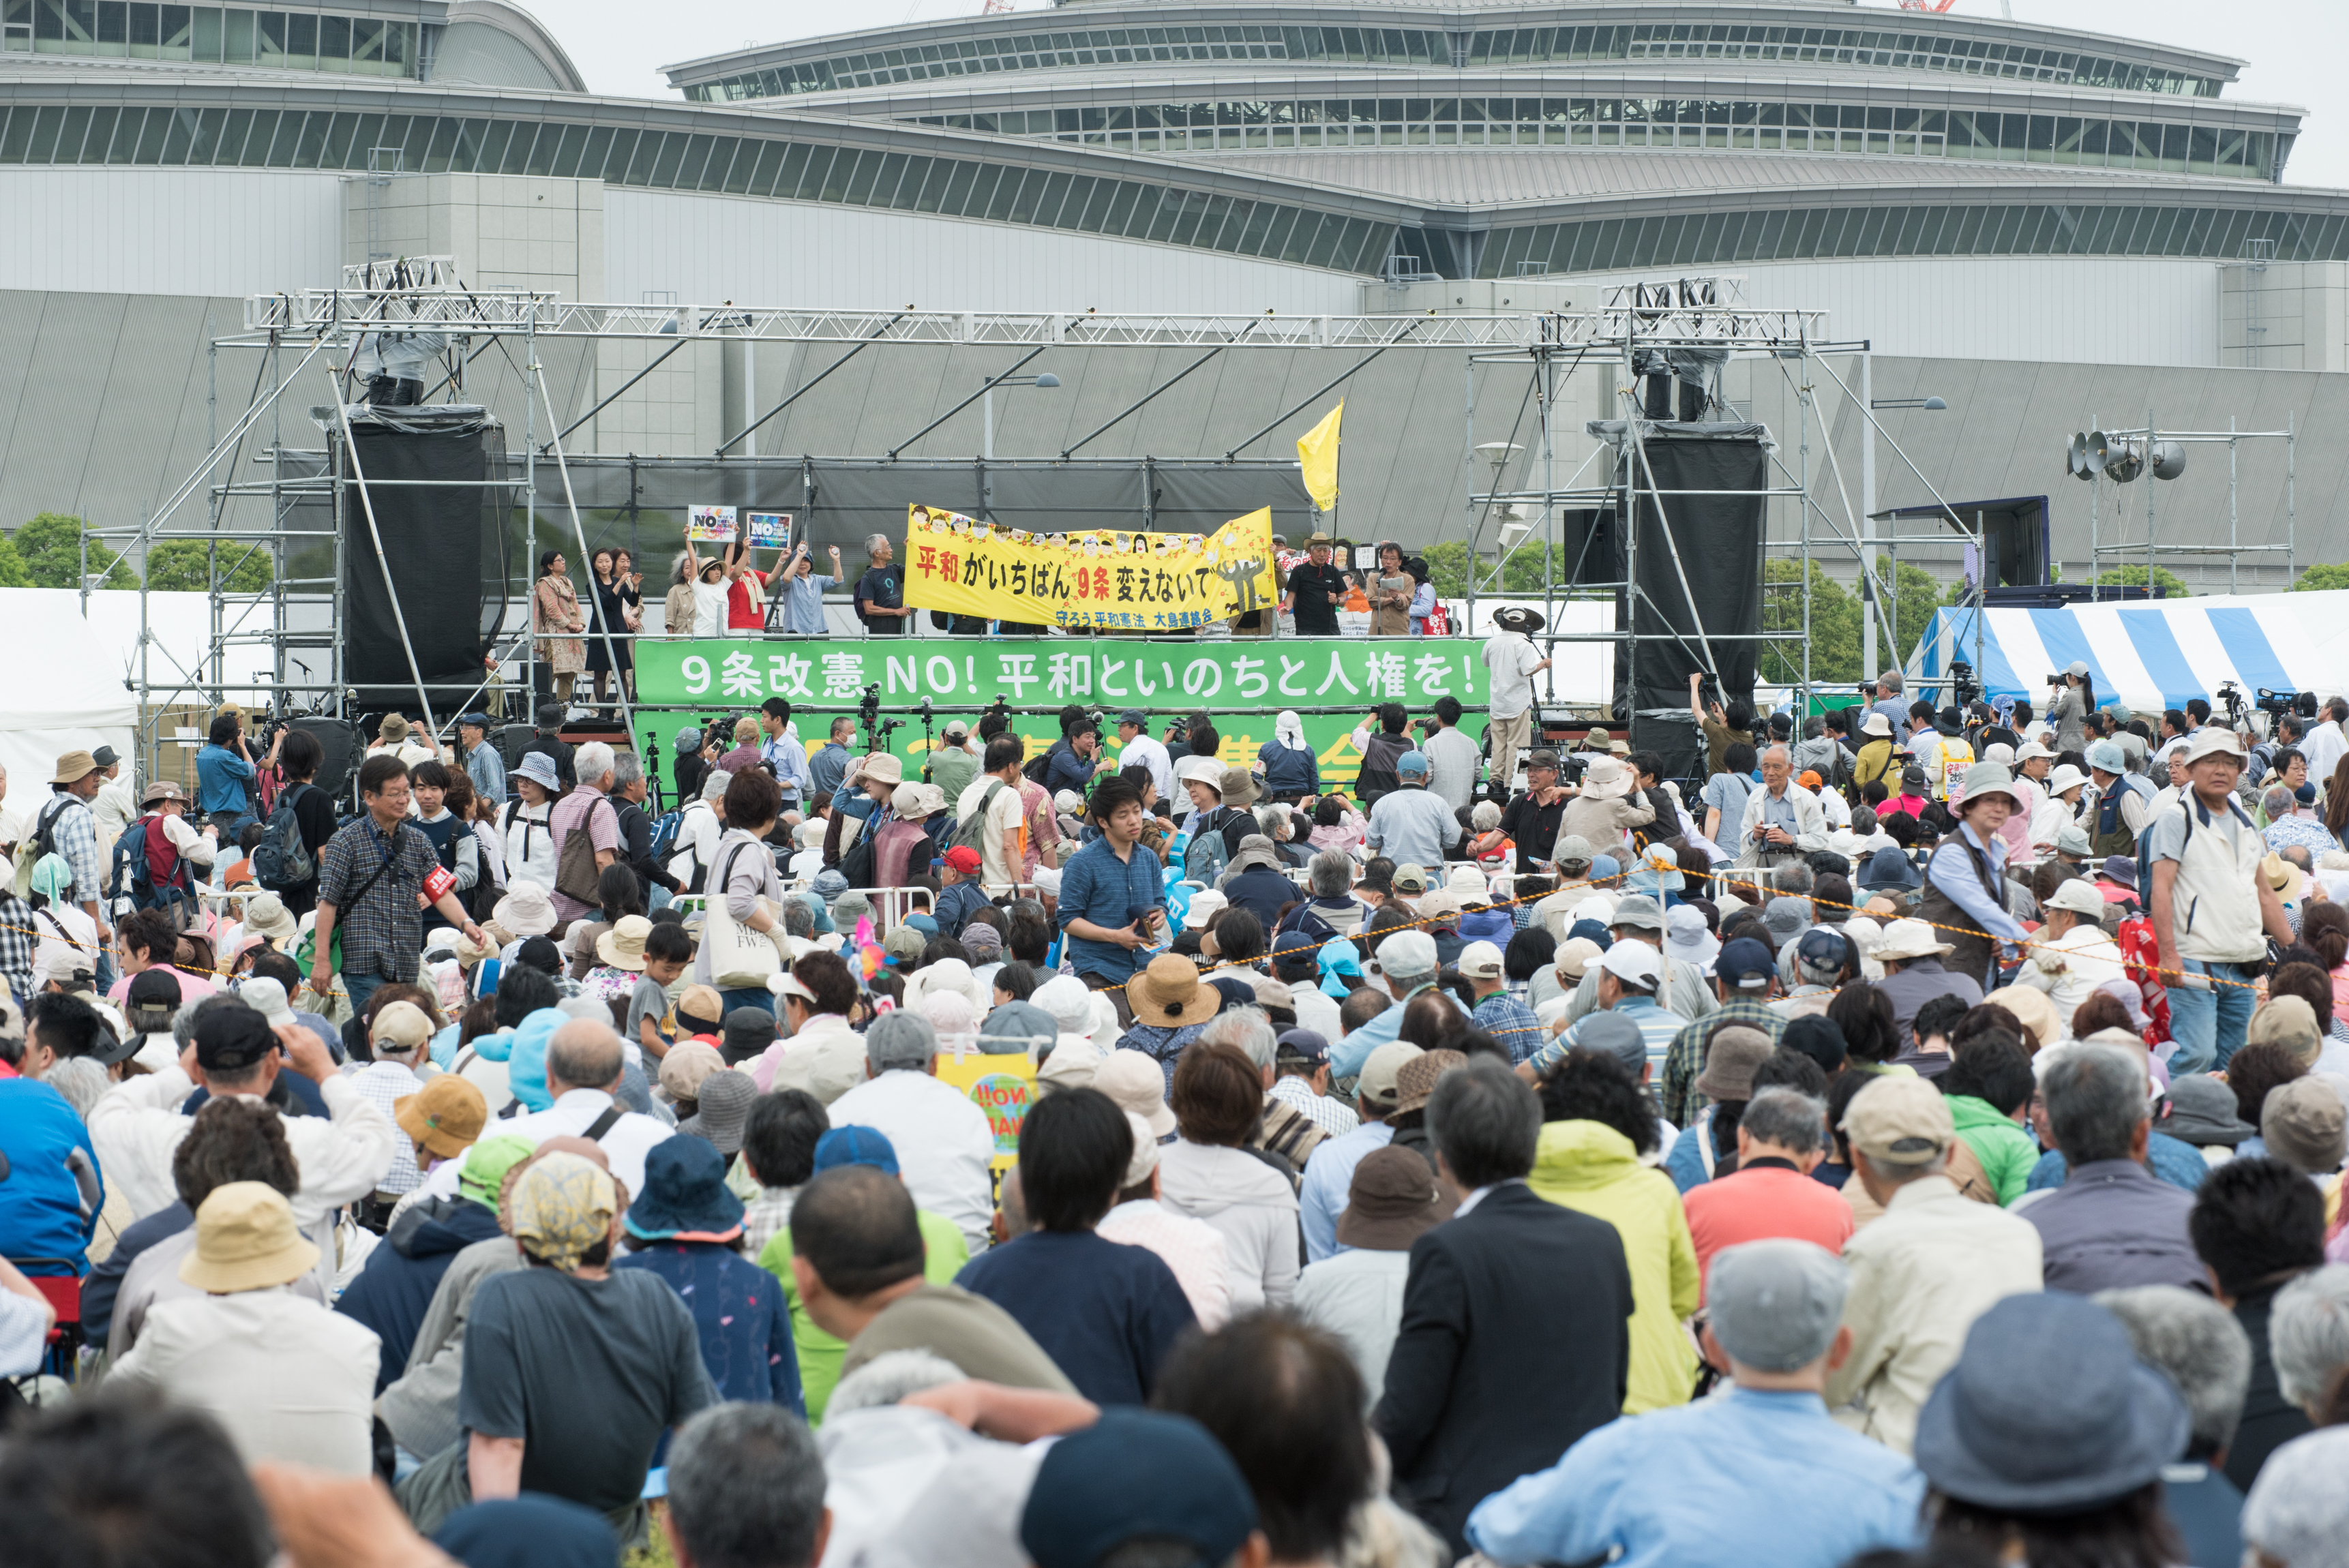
x: 1988, y: 1084
x: 1598, y: 1123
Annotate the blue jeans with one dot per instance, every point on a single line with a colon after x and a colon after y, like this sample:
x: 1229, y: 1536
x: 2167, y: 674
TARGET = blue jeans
x: 362, y: 986
x: 758, y: 996
x: 2209, y: 1025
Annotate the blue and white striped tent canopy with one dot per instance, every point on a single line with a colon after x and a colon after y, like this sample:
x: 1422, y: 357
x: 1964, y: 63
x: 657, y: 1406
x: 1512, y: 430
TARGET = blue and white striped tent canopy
x: 2152, y: 656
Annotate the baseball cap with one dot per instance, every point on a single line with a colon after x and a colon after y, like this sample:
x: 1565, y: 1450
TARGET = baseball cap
x: 855, y: 1145
x: 1541, y: 757
x: 1409, y: 878
x: 1575, y: 956
x: 1900, y: 1120
x: 1573, y: 850
x: 2079, y: 896
x: 1407, y: 952
x: 1747, y: 963
x: 1304, y: 1044
x: 1297, y: 952
x: 1377, y: 1087
x: 1412, y: 764
x: 401, y: 1025
x: 1613, y: 1035
x: 1480, y: 961
x: 962, y: 858
x: 1174, y: 1481
x: 1135, y: 716
x: 154, y: 993
x: 1776, y: 1304
x: 1819, y: 955
x: 231, y: 1039
x: 482, y: 720
x: 1633, y: 961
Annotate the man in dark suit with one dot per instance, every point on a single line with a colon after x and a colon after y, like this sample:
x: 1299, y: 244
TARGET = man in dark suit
x: 1516, y: 1335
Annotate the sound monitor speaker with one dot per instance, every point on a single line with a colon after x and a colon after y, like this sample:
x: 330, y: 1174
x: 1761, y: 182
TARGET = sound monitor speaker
x: 1698, y: 567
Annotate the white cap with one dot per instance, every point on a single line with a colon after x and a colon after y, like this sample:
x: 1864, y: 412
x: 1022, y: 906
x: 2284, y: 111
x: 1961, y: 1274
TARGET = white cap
x: 1634, y: 961
x: 1480, y: 961
x: 1206, y: 905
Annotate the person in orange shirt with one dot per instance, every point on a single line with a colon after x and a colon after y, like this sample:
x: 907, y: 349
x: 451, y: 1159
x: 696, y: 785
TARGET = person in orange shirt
x: 1780, y: 1138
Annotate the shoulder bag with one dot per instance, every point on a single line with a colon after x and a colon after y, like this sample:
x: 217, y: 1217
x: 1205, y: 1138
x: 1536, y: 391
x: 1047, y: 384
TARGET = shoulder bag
x: 740, y: 959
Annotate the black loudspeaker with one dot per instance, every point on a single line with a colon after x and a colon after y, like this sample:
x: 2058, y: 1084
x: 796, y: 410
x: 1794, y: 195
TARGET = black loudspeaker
x: 340, y: 748
x: 434, y: 486
x: 511, y: 740
x: 1713, y: 541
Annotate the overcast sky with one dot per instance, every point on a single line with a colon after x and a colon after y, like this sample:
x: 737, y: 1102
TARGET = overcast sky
x: 2290, y: 47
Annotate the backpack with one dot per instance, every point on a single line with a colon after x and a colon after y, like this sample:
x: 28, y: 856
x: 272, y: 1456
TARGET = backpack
x: 1208, y: 854
x: 1038, y: 766
x: 158, y: 876
x: 666, y: 828
x: 45, y: 842
x: 282, y: 860
x: 972, y: 835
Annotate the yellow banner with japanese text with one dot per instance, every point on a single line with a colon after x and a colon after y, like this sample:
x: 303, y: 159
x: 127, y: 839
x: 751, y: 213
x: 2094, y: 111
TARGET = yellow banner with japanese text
x: 1103, y: 579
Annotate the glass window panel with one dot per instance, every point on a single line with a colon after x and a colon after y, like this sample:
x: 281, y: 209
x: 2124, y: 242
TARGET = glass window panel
x: 312, y: 142
x: 145, y: 24
x: 334, y: 43
x: 492, y: 141
x: 99, y: 146
x: 661, y: 168
x: 960, y: 178
x: 113, y: 26
x: 255, y: 153
x: 301, y: 39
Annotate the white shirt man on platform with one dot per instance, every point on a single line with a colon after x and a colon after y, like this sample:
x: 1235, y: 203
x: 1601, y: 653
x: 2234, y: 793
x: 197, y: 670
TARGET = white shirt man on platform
x: 1512, y: 661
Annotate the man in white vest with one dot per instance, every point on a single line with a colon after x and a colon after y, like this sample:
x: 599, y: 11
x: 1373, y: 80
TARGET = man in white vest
x: 2212, y: 912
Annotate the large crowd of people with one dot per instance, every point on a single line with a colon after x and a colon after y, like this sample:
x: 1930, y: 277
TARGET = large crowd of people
x: 1916, y: 1138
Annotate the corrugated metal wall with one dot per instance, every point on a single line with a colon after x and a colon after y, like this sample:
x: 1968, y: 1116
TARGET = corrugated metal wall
x: 229, y: 232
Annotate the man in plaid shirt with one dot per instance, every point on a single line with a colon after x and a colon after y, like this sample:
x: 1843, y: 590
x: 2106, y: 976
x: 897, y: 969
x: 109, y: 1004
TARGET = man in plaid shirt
x: 371, y: 888
x: 16, y: 941
x: 1500, y: 1015
x: 1743, y: 976
x: 73, y: 833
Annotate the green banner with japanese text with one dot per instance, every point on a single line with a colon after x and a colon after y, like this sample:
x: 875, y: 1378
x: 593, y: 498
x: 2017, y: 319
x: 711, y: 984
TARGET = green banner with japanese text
x: 1241, y: 684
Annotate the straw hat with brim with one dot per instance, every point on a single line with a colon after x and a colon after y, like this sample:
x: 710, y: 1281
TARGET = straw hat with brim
x: 2048, y: 1411
x: 1415, y: 1079
x: 623, y: 946
x: 1392, y: 1201
x: 525, y: 911
x: 1737, y: 1052
x: 444, y: 1117
x: 1169, y: 995
x: 246, y: 1240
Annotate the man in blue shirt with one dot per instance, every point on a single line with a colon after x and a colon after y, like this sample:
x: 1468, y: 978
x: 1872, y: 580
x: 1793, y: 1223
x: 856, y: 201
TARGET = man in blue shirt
x: 1407, y: 965
x: 1410, y: 825
x: 1761, y: 1476
x: 1075, y: 760
x: 55, y: 1187
x: 783, y: 754
x: 1110, y: 900
x: 224, y: 775
x: 482, y: 764
x: 828, y: 764
x: 804, y: 592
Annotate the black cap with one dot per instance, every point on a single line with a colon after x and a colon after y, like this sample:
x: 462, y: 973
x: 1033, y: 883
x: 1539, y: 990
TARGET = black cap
x: 748, y: 1032
x: 540, y: 952
x: 550, y: 716
x: 156, y: 987
x: 231, y: 1039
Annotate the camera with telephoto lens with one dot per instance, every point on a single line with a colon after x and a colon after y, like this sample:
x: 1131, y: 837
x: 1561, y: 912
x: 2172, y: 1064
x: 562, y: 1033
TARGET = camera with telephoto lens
x: 1962, y: 684
x: 868, y: 711
x: 2276, y: 704
x: 2231, y: 697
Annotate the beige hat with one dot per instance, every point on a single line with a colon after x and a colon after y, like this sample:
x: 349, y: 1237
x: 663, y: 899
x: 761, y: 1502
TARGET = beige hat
x: 1201, y: 771
x: 392, y: 730
x: 1467, y: 885
x: 880, y: 768
x: 1480, y: 961
x: 526, y: 910
x: 827, y: 1067
x: 682, y: 1070
x: 623, y: 946
x: 1169, y: 995
x: 1138, y: 1085
x: 73, y: 766
x: 1605, y: 779
x: 1144, y: 1159
x: 1731, y: 1059
x: 1415, y: 1079
x: 1379, y: 1085
x: 2289, y: 1022
x: 2210, y: 740
x: 914, y: 802
x: 265, y: 914
x: 1875, y: 723
x: 1439, y: 906
x: 402, y: 1025
x: 1905, y: 939
x: 1901, y: 1119
x: 246, y: 1240
x: 1575, y: 956
x: 1409, y: 879
x: 2079, y: 896
x: 2035, y: 1010
x: 2304, y: 1126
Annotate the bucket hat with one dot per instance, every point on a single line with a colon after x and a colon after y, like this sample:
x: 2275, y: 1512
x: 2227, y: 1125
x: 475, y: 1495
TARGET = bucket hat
x: 246, y: 1240
x: 526, y: 910
x: 73, y: 768
x: 2201, y: 1110
x: 1415, y: 1079
x: 1737, y: 1052
x: 265, y: 914
x: 1137, y: 1084
x: 539, y: 768
x: 685, y: 1195
x: 444, y: 1117
x: 2048, y: 1411
x: 1906, y: 939
x: 1392, y: 1201
x: 721, y: 1111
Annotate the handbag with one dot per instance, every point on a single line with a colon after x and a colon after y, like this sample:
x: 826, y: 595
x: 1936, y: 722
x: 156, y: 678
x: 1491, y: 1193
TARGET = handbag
x: 740, y: 959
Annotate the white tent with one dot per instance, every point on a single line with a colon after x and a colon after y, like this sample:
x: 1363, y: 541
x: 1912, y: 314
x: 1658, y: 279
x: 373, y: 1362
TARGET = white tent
x: 70, y: 682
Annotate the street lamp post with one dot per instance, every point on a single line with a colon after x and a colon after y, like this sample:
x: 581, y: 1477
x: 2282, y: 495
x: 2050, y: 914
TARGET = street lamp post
x: 1044, y: 382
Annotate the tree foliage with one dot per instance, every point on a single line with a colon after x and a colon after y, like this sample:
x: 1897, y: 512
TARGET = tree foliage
x: 2331, y: 575
x: 2167, y: 581
x: 1834, y: 625
x: 1448, y: 569
x: 14, y: 573
x: 179, y: 565
x: 50, y: 547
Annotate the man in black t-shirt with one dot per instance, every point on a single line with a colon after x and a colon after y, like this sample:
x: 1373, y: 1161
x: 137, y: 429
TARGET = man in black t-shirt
x: 880, y: 592
x: 1531, y: 820
x: 1315, y: 591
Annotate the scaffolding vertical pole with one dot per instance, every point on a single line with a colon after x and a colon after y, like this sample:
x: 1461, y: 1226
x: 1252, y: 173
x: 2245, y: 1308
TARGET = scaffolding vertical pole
x: 1803, y: 479
x: 2234, y: 583
x: 1627, y: 519
x: 1468, y: 467
x: 530, y: 530
x: 2148, y: 505
x: 2291, y: 497
x: 1867, y: 665
x: 1552, y: 523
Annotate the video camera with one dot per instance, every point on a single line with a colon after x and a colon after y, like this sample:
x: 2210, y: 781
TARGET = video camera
x: 2231, y: 697
x: 868, y: 709
x: 1963, y: 687
x: 2276, y: 704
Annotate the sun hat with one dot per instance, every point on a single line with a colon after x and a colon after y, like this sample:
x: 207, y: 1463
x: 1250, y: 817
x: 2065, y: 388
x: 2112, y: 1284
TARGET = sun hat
x: 1875, y: 723
x: 1907, y: 939
x: 1201, y: 771
x: 2048, y: 1411
x: 1144, y: 1158
x: 265, y: 915
x: 1392, y: 1202
x: 1637, y: 911
x: 1238, y: 788
x: 73, y: 766
x: 402, y: 1025
x: 1256, y: 850
x: 685, y: 1196
x: 2200, y: 1110
x: 853, y: 1143
x: 1776, y: 1304
x: 2106, y: 757
x: 539, y: 768
x: 2303, y: 1124
x: 688, y: 1062
x: 1379, y: 1086
x: 1068, y: 1001
x: 2033, y: 1010
x: 1737, y: 1050
x: 160, y: 790
x: 916, y: 800
x: 721, y: 1111
x: 1514, y: 617
x: 525, y: 910
x: 561, y: 1207
x: 445, y: 1117
x: 1206, y: 905
x: 1687, y: 938
x: 1989, y: 778
x: 1176, y: 1482
x: 1138, y: 1084
x: 1605, y: 779
x: 623, y: 946
x: 880, y: 768
x: 2078, y: 895
x: 246, y: 1240
x: 1480, y: 961
x: 2064, y: 778
x: 1415, y: 1079
x: 2212, y: 740
x: 1900, y: 1119
x: 1575, y: 956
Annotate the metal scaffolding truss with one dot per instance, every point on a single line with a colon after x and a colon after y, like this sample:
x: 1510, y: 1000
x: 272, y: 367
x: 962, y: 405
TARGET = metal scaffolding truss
x: 1701, y: 314
x: 2144, y: 441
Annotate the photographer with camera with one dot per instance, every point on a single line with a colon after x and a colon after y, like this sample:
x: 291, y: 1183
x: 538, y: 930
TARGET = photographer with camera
x: 1723, y: 726
x: 2074, y: 699
x: 1783, y: 821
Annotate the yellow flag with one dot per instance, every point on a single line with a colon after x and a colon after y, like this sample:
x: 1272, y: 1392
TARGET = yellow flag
x: 1317, y: 454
